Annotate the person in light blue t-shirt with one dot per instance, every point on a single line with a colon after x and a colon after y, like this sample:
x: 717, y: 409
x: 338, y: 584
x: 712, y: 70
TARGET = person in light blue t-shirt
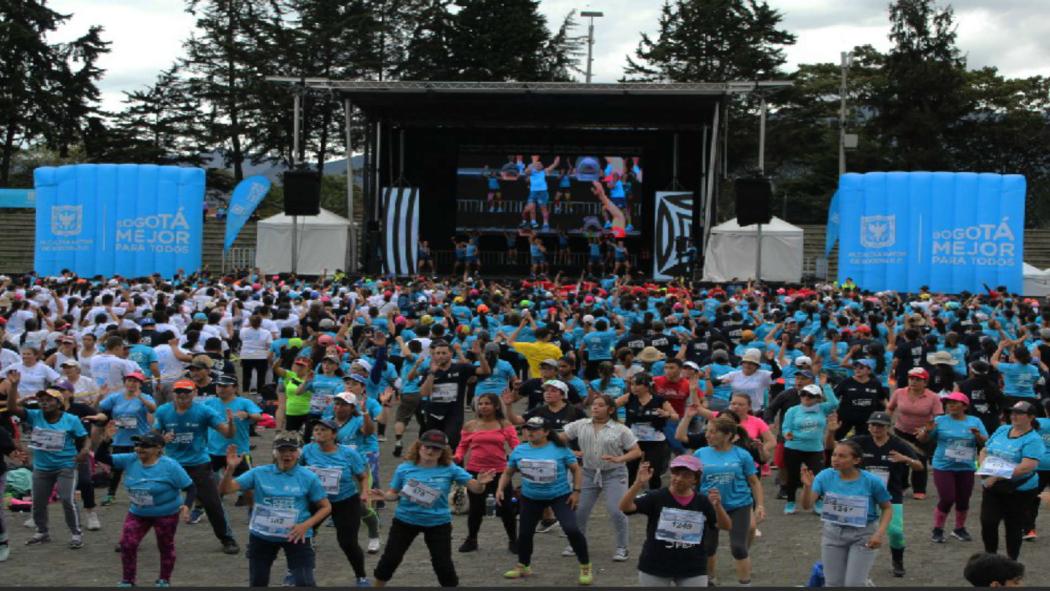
x: 129, y: 410
x: 282, y: 517
x: 421, y: 486
x: 856, y: 515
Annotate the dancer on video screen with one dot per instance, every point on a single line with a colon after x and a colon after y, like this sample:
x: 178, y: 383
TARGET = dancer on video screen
x: 564, y: 192
x: 620, y: 259
x: 472, y: 255
x: 618, y: 196
x: 538, y: 194
x: 494, y: 199
x: 594, y: 255
x: 425, y: 258
x: 561, y: 257
x: 615, y: 221
x: 461, y: 254
x: 538, y: 253
x: 511, y: 237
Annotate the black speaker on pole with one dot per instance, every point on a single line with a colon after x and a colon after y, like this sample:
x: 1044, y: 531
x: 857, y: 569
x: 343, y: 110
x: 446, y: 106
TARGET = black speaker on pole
x: 753, y: 196
x: 302, y: 192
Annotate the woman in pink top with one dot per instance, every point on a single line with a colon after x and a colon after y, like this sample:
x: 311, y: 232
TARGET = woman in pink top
x: 912, y: 408
x: 757, y: 429
x: 484, y: 443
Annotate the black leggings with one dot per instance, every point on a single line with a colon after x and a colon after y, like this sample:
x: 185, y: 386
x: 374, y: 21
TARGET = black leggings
x: 654, y: 452
x: 438, y: 539
x: 451, y: 425
x: 208, y: 495
x: 532, y: 511
x: 1013, y: 509
x: 738, y: 534
x: 1044, y: 481
x: 505, y: 509
x: 918, y: 477
x: 346, y: 514
x: 256, y: 366
x: 793, y: 461
x: 85, y: 484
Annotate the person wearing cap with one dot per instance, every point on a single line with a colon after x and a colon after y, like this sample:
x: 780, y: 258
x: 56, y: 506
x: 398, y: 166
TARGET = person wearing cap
x: 717, y: 394
x: 859, y: 395
x: 551, y: 477
x: 856, y: 515
x: 421, y: 485
x: 803, y: 428
x: 354, y: 412
x: 66, y: 351
x: 606, y: 446
x: 445, y: 389
x: 957, y: 436
x: 85, y: 485
x: 290, y: 501
x: 344, y: 476
x: 1008, y: 470
x: 647, y: 414
x: 129, y: 410
x: 555, y: 407
x: 679, y: 524
x: 889, y: 458
x: 532, y: 389
x: 58, y: 440
x: 293, y: 397
x: 245, y: 414
x: 986, y: 397
x: 913, y: 407
x: 145, y: 357
x: 750, y: 378
x: 154, y: 482
x: 200, y: 373
x: 185, y: 424
x: 1021, y: 374
x: 942, y: 372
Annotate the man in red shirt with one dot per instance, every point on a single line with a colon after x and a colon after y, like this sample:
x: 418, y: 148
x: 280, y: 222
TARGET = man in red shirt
x: 674, y: 388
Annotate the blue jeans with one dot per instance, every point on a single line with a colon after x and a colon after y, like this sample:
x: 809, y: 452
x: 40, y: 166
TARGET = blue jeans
x: 262, y: 553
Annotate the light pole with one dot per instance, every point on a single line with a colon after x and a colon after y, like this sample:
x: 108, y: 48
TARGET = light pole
x: 847, y: 59
x: 590, y: 14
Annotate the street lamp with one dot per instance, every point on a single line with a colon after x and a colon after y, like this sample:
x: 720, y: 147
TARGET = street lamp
x: 844, y: 138
x: 590, y: 14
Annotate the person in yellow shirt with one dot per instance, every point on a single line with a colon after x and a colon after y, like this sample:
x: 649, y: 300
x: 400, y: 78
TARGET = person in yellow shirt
x: 538, y: 351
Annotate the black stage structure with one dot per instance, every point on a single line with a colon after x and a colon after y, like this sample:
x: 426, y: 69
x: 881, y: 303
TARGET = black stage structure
x: 414, y: 132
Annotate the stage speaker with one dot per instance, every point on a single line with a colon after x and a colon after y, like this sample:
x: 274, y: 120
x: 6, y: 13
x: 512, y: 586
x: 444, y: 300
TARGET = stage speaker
x: 302, y: 192
x: 753, y: 196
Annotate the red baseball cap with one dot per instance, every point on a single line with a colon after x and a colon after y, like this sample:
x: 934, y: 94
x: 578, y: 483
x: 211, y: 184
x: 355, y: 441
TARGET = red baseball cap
x: 918, y: 372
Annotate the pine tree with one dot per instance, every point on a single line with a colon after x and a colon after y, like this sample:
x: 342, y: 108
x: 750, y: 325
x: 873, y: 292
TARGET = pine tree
x: 160, y: 123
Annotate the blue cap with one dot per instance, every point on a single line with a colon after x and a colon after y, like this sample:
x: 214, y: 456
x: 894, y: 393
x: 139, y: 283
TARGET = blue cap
x: 200, y: 316
x: 147, y: 321
x: 869, y: 363
x: 356, y: 377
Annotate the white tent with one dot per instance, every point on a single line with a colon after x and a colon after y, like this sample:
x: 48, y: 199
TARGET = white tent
x: 731, y: 252
x: 322, y: 243
x: 1036, y: 282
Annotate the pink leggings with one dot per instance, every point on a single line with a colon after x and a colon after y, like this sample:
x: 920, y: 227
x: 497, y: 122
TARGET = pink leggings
x: 135, y: 529
x: 953, y: 488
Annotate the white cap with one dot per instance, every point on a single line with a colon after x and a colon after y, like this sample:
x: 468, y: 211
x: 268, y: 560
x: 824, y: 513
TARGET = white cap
x: 347, y: 397
x: 560, y: 385
x: 803, y: 360
x: 364, y: 363
x: 588, y: 319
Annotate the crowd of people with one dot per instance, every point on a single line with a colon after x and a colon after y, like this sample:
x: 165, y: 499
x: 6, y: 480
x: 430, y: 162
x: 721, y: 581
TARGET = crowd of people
x: 532, y: 400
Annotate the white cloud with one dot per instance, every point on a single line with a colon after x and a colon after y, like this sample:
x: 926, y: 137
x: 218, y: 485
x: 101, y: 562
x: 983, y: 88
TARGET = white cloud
x: 147, y: 35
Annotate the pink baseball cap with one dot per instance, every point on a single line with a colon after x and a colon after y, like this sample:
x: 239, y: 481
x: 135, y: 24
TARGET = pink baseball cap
x: 957, y: 397
x: 688, y: 462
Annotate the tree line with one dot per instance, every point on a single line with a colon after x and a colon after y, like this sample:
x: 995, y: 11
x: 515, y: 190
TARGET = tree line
x: 917, y: 106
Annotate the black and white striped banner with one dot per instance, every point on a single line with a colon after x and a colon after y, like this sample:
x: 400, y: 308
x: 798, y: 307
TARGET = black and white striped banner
x: 400, y: 230
x: 674, y: 220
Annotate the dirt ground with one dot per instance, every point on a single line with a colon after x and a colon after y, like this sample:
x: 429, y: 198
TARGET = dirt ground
x: 782, y: 556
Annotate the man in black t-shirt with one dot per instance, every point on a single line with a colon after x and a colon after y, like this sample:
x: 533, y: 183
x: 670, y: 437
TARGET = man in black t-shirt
x: 445, y: 389
x: 859, y: 396
x: 532, y: 389
x: 909, y: 354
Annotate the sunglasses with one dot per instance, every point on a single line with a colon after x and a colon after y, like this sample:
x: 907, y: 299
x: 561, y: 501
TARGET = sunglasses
x: 183, y: 391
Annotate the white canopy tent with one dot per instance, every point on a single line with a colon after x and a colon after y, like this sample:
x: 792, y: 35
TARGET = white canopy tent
x: 731, y: 252
x: 1036, y: 282
x: 321, y: 240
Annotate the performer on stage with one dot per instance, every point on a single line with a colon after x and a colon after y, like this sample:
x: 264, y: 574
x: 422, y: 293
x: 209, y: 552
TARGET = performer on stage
x: 620, y: 259
x: 538, y: 253
x: 494, y: 198
x: 616, y: 222
x: 425, y: 257
x: 618, y: 196
x: 461, y: 254
x: 538, y: 194
x: 564, y: 192
x: 472, y: 255
x: 594, y: 255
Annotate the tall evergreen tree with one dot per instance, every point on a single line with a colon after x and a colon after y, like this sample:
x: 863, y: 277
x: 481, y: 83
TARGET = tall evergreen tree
x: 160, y: 123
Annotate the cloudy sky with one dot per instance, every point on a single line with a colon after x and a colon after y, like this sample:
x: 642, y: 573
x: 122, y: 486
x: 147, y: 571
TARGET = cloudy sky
x: 1013, y: 35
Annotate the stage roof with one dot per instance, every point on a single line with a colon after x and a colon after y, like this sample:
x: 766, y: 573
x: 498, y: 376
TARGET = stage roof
x: 535, y: 104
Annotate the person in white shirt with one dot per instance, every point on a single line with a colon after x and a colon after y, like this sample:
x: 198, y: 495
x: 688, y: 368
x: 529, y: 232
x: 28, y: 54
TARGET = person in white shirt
x: 35, y: 374
x: 255, y: 352
x: 84, y: 388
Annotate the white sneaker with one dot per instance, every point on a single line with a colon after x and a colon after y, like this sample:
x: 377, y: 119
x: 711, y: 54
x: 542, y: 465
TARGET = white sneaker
x: 373, y: 545
x: 93, y: 524
x: 29, y: 523
x: 621, y: 555
x: 568, y: 551
x: 5, y: 552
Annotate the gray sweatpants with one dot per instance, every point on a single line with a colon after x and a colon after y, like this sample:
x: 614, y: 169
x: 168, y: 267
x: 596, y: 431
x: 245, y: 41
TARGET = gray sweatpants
x: 43, y: 483
x: 647, y: 580
x: 847, y: 561
x: 613, y: 482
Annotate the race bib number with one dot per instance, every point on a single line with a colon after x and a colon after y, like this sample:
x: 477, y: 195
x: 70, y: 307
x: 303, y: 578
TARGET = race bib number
x: 539, y: 471
x: 646, y: 432
x: 996, y: 466
x: 319, y: 402
x: 848, y: 510
x: 444, y: 393
x: 47, y: 440
x: 882, y: 473
x: 680, y: 526
x: 960, y: 451
x: 419, y: 493
x: 184, y: 438
x: 127, y: 422
x: 273, y: 521
x: 142, y: 498
x: 329, y: 478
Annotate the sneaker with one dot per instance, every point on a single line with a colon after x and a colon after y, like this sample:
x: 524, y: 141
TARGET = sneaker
x: 937, y: 536
x: 790, y: 508
x: 38, y: 538
x: 469, y: 545
x: 621, y: 555
x: 230, y: 547
x: 964, y: 536
x: 397, y: 450
x: 818, y: 507
x: 29, y: 523
x: 76, y: 542
x: 1029, y: 536
x: 546, y: 525
x: 568, y: 551
x: 782, y: 494
x: 523, y: 224
x: 373, y: 545
x: 124, y: 584
x: 586, y: 574
x: 363, y: 582
x: 534, y: 224
x: 382, y: 439
x: 93, y: 524
x: 629, y: 228
x: 520, y: 571
x: 107, y: 501
x: 5, y: 552
x: 196, y: 515
x: 898, y: 569
x: 512, y: 546
x: 919, y: 496
x: 162, y: 583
